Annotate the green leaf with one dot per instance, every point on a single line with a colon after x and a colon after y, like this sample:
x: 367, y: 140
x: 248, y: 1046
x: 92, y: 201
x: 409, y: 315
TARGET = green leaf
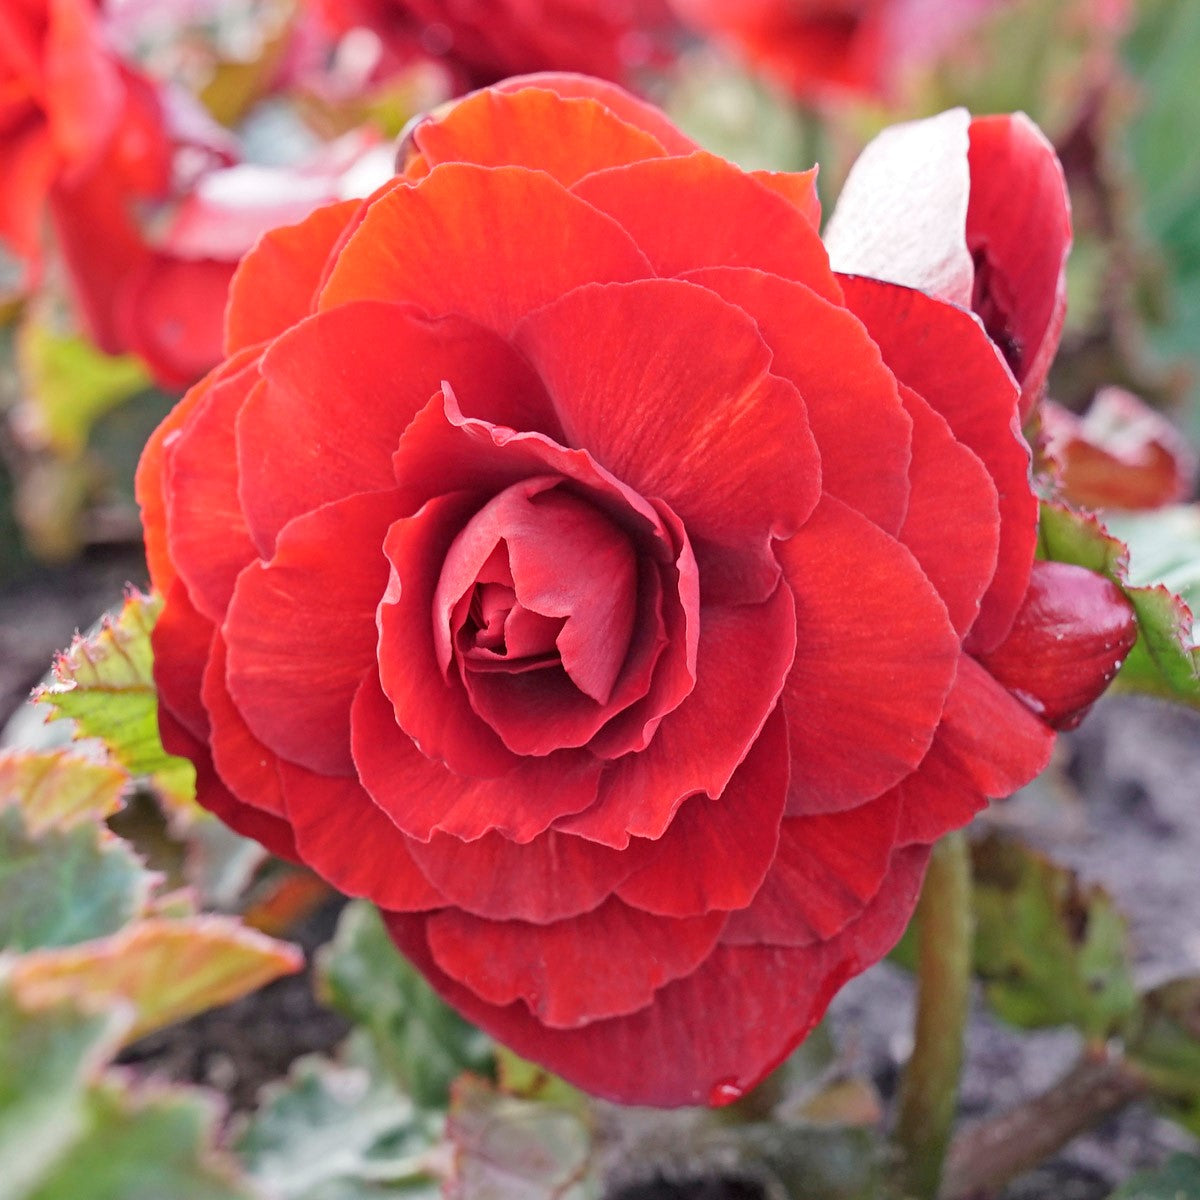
x: 1164, y: 661
x: 1166, y: 1046
x: 143, y: 1147
x: 730, y: 112
x: 46, y: 1057
x: 1050, y: 951
x: 65, y: 886
x: 512, y: 1149
x: 341, y: 1129
x: 419, y: 1039
x: 105, y: 683
x: 166, y: 969
x: 1164, y: 548
x: 517, y: 1076
x: 69, y: 383
x: 1177, y: 1179
x: 60, y: 790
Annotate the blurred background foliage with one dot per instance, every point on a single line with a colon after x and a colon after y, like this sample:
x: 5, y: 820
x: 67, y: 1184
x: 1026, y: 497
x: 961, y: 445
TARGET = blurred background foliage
x: 1112, y: 85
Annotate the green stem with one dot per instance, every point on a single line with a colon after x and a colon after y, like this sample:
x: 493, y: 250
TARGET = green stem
x: 929, y: 1089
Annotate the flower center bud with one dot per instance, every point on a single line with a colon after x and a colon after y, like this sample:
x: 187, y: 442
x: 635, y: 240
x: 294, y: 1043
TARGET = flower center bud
x: 538, y: 578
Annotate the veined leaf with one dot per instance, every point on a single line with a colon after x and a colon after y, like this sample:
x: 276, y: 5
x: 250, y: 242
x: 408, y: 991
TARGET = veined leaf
x: 60, y: 790
x: 166, y: 969
x: 144, y: 1146
x: 47, y: 1055
x: 342, y: 1129
x: 105, y: 683
x: 65, y: 886
x: 423, y: 1042
x: 1050, y: 951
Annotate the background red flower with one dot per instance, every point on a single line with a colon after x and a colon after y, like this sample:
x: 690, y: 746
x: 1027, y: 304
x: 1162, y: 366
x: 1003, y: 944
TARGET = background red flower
x: 813, y: 47
x: 79, y: 131
x: 484, y: 40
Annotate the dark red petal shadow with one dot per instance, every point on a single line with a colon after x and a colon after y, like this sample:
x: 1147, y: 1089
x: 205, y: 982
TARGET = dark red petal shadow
x: 699, y: 746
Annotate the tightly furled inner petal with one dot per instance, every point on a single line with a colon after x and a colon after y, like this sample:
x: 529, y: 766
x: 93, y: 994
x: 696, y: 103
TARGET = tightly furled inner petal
x: 548, y: 606
x: 558, y: 586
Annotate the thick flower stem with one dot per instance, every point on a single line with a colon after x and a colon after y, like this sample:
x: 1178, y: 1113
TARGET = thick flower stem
x: 929, y: 1089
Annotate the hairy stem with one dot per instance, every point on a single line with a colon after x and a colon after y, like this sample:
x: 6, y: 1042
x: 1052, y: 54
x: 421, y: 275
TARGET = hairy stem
x: 929, y: 1088
x: 989, y: 1154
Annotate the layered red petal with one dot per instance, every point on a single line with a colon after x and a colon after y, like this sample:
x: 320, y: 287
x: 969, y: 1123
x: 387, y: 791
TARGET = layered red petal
x: 687, y: 1056
x: 828, y: 354
x: 875, y: 658
x: 277, y: 281
x: 555, y: 970
x: 333, y: 820
x: 341, y: 387
x: 567, y: 138
x: 940, y: 352
x: 426, y: 799
x: 300, y: 630
x: 718, y: 850
x: 207, y: 533
x: 827, y: 869
x: 489, y: 243
x: 699, y: 746
x: 1018, y: 230
x: 988, y: 745
x: 701, y: 211
x: 721, y: 439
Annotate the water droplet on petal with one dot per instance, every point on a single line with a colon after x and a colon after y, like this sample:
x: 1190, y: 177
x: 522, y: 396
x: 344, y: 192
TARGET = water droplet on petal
x: 725, y: 1092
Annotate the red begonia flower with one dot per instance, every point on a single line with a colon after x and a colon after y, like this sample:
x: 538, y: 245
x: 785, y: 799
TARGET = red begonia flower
x: 817, y: 47
x: 482, y: 41
x: 973, y: 211
x: 567, y: 560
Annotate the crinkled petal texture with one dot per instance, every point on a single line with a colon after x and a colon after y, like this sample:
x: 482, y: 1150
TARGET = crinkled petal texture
x: 568, y: 561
